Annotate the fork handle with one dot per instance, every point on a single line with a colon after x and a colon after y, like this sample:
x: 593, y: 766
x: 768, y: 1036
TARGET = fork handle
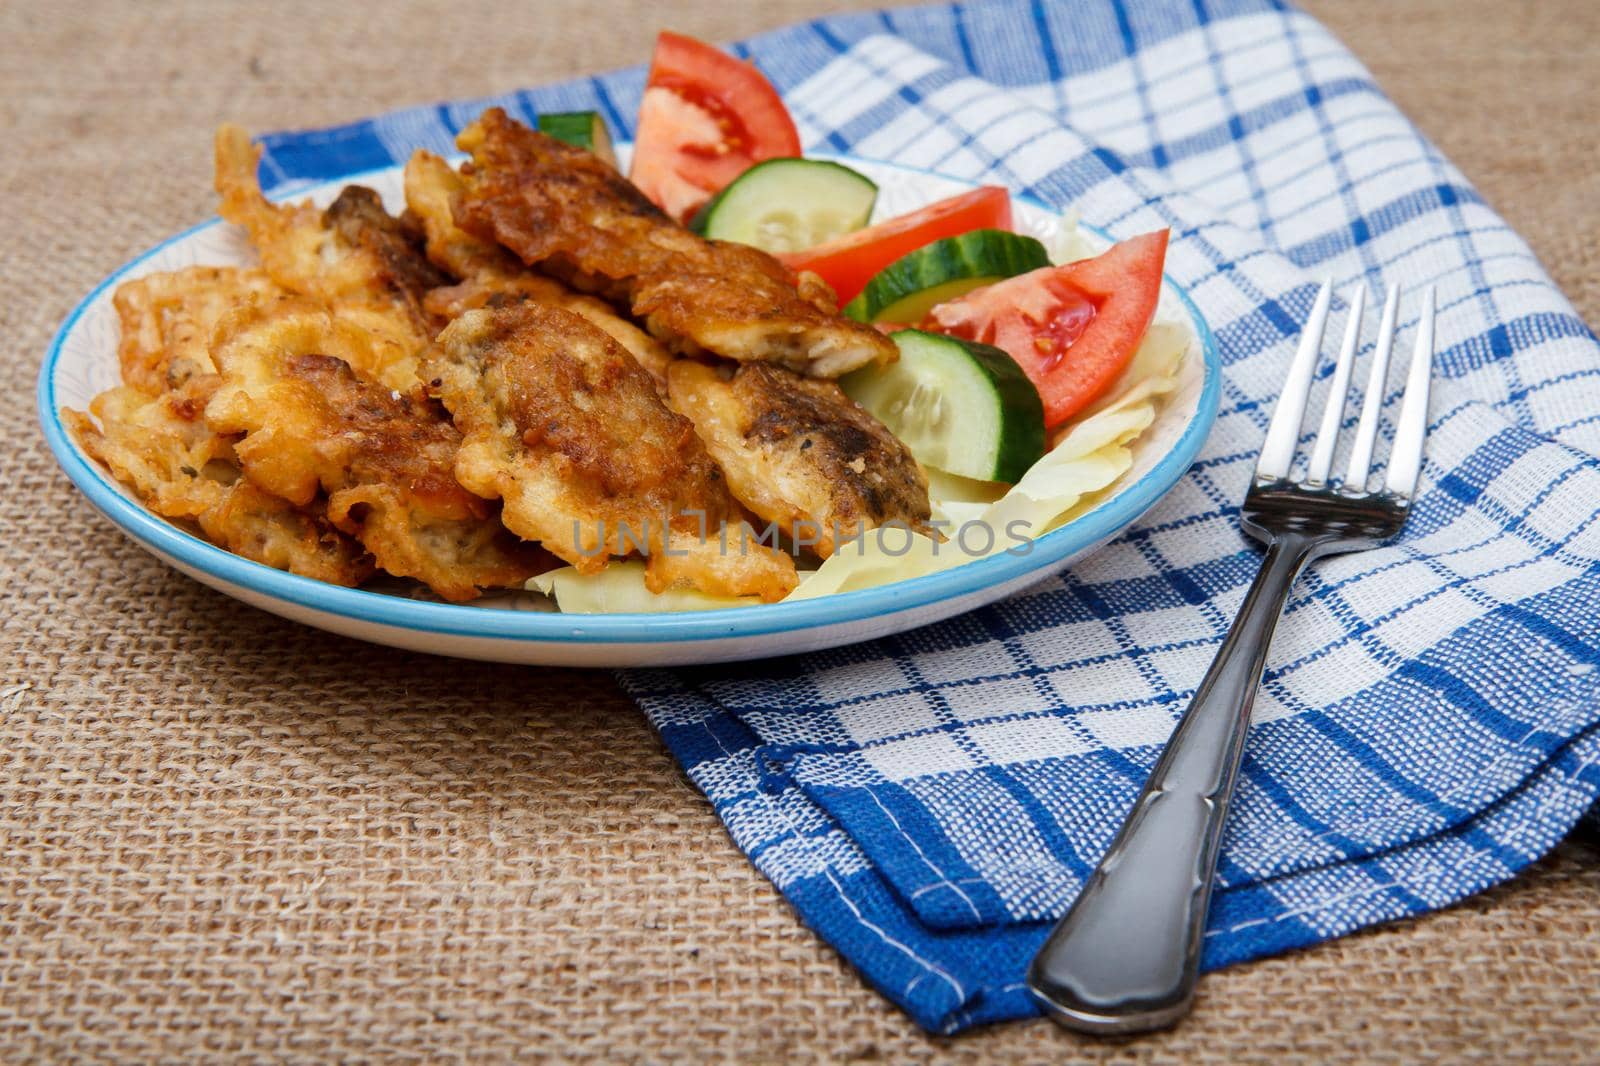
x: 1126, y: 957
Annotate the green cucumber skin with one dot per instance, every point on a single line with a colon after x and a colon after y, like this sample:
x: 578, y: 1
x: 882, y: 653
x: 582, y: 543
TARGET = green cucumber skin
x: 981, y: 253
x: 578, y: 128
x: 573, y: 127
x: 704, y: 219
x: 697, y: 224
x: 1025, y: 444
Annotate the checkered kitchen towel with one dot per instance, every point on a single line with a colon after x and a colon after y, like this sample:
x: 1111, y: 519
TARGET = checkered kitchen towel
x: 1427, y: 727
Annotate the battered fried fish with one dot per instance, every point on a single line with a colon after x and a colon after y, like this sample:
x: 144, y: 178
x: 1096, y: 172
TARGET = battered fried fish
x: 565, y: 427
x: 352, y: 257
x: 430, y: 185
x: 384, y: 458
x: 160, y: 445
x: 563, y: 209
x: 799, y: 452
x: 271, y: 530
x: 358, y: 216
x: 161, y: 448
x: 490, y: 275
x: 167, y: 320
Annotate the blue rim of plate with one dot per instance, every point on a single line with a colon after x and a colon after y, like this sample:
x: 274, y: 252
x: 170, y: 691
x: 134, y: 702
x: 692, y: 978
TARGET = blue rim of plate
x: 635, y: 628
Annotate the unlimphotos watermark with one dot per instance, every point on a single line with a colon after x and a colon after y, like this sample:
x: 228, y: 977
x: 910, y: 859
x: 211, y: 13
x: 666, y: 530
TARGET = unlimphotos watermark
x: 894, y: 538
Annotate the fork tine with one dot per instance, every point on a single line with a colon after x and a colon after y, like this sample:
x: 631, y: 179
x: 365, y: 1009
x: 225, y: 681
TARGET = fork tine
x: 1283, y: 432
x: 1405, y: 458
x: 1338, y: 390
x: 1355, y: 477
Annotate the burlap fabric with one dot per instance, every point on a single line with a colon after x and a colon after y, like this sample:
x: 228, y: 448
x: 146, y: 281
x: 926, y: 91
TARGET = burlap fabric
x: 224, y: 836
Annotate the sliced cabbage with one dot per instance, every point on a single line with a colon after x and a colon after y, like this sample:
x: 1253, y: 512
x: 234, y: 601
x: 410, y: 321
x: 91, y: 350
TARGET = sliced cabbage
x: 1067, y: 243
x: 619, y: 589
x: 957, y: 500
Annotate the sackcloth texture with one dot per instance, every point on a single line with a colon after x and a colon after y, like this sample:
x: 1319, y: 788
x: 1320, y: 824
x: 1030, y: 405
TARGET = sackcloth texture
x: 228, y: 834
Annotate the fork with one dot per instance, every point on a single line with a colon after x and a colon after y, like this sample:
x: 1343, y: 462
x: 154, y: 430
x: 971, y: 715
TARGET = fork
x: 1126, y: 957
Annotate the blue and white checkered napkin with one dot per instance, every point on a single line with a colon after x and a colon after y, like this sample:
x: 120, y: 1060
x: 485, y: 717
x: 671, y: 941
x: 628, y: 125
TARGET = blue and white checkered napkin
x: 1428, y: 726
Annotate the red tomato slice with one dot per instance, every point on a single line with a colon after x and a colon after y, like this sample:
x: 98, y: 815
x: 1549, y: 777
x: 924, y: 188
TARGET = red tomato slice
x: 706, y: 117
x: 1072, y: 329
x: 847, y: 263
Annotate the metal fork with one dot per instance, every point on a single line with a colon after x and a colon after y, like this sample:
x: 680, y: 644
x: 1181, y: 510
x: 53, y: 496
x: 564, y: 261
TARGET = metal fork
x: 1126, y: 957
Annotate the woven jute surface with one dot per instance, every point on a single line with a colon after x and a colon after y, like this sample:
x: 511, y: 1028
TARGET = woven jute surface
x: 223, y: 836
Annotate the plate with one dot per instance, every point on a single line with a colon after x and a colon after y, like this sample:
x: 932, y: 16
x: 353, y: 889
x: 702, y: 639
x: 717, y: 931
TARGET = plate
x: 524, y: 627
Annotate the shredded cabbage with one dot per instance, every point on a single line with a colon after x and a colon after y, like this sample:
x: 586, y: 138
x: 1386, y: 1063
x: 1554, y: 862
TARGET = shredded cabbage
x: 619, y: 589
x: 1067, y: 243
x: 958, y: 500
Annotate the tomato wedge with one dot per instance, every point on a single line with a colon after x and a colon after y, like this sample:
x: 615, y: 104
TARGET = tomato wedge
x: 706, y: 117
x: 849, y: 262
x: 1073, y: 329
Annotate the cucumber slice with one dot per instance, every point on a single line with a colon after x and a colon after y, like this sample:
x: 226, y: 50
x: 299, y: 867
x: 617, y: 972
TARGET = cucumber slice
x: 784, y: 205
x: 586, y: 129
x: 961, y: 407
x: 908, y: 288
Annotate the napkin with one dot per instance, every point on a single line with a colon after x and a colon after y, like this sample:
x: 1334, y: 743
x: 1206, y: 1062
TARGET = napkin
x: 930, y: 803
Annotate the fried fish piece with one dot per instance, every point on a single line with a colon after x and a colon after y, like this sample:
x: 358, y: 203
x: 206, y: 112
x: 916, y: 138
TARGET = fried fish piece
x: 566, y: 427
x: 167, y: 320
x: 297, y: 324
x: 384, y: 458
x: 357, y: 215
x: 258, y: 525
x: 364, y: 266
x: 490, y: 274
x: 498, y: 290
x: 799, y: 452
x: 431, y: 184
x: 160, y: 447
x: 566, y: 211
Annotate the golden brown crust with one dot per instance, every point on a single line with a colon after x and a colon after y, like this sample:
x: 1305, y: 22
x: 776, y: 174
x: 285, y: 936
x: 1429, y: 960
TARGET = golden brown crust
x: 544, y: 200
x: 161, y: 448
x: 167, y: 320
x: 383, y: 458
x: 344, y: 262
x: 565, y: 210
x: 490, y: 275
x: 501, y: 290
x: 258, y: 525
x: 798, y: 450
x: 566, y: 427
x: 430, y: 186
x: 403, y: 268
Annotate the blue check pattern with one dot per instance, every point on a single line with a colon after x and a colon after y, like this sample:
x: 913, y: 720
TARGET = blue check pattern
x: 929, y: 803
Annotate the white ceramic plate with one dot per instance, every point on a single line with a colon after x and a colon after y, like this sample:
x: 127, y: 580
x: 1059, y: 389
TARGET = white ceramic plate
x: 524, y: 627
